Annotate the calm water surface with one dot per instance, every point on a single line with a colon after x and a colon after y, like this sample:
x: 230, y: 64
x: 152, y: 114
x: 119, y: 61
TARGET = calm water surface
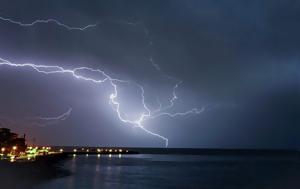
x: 178, y: 171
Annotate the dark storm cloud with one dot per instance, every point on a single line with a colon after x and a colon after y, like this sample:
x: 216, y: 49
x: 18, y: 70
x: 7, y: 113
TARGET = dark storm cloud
x: 226, y: 52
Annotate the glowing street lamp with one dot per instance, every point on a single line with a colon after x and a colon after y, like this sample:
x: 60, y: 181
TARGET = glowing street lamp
x: 2, y: 151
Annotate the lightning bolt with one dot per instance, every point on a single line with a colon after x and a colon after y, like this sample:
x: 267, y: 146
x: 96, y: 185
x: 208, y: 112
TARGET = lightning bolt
x: 68, y: 27
x: 113, y: 97
x: 46, y: 22
x: 161, y: 110
x: 62, y: 117
x: 44, y: 69
x: 38, y: 121
x: 46, y: 121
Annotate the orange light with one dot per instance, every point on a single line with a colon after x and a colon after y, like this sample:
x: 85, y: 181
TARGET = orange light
x: 2, y: 149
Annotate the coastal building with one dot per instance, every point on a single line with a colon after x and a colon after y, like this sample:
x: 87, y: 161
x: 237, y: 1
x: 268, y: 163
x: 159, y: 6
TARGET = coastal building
x: 10, y: 141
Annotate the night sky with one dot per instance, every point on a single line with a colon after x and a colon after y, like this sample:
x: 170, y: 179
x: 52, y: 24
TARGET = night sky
x: 239, y: 60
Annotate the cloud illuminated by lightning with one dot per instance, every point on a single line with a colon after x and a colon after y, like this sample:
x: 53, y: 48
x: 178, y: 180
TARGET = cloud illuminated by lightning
x: 113, y: 98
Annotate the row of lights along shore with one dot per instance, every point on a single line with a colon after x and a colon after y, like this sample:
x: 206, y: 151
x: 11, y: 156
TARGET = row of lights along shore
x: 30, y: 153
x: 14, y: 154
x: 98, y: 151
x: 11, y: 152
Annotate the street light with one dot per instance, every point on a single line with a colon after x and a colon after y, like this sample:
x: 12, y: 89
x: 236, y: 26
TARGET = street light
x: 2, y: 151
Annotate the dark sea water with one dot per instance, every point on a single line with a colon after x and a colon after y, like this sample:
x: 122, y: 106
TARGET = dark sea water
x: 178, y: 171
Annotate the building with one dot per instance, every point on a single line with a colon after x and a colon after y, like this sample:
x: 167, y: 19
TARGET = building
x: 9, y: 140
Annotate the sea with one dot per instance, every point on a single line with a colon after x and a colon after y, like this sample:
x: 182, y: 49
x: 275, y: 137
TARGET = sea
x: 158, y: 171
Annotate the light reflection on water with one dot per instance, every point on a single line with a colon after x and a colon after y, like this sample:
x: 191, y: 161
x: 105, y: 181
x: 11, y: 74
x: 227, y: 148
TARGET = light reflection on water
x: 178, y: 171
